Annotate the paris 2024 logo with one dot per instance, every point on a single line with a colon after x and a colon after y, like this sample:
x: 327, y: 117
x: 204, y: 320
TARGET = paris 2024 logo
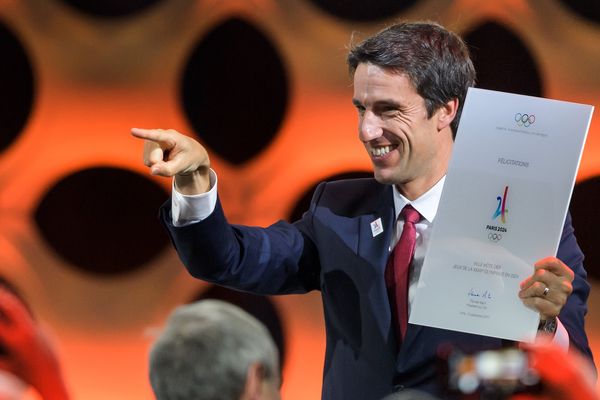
x: 496, y: 229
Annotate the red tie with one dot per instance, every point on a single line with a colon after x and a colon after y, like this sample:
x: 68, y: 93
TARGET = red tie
x: 396, y: 273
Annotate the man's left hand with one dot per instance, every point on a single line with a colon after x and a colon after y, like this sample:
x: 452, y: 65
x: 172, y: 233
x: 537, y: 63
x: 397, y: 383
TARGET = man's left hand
x: 547, y: 290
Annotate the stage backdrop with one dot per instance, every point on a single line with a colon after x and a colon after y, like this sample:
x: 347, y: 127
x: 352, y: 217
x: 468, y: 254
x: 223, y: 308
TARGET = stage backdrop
x: 264, y: 85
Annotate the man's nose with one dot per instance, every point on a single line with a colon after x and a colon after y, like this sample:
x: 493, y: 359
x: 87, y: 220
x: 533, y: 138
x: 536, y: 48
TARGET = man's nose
x: 370, y: 127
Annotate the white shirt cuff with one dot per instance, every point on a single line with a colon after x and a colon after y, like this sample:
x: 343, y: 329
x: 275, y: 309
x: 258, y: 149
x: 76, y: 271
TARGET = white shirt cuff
x: 561, y: 336
x: 188, y: 209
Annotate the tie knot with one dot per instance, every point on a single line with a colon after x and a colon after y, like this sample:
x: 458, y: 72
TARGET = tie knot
x: 410, y: 215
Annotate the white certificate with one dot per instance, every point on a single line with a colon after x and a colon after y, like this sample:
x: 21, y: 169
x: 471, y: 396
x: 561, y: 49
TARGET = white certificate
x: 503, y: 206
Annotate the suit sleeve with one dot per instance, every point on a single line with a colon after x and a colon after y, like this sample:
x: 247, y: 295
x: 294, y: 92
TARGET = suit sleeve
x: 573, y: 313
x: 279, y: 259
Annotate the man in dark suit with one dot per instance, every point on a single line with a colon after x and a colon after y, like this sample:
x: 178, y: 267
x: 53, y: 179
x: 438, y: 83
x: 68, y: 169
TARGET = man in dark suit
x: 410, y: 81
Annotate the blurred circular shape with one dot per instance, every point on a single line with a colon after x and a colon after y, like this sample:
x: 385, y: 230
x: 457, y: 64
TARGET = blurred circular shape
x: 586, y: 219
x: 103, y: 220
x: 488, y: 364
x: 588, y: 9
x: 468, y: 382
x: 363, y: 11
x: 260, y: 307
x: 502, y: 61
x: 303, y: 204
x: 16, y: 85
x: 111, y: 8
x: 234, y: 90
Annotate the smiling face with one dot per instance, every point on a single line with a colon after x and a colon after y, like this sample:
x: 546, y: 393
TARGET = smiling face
x: 407, y: 148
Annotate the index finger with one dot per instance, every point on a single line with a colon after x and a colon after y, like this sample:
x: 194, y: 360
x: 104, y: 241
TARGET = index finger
x: 554, y: 265
x: 154, y: 135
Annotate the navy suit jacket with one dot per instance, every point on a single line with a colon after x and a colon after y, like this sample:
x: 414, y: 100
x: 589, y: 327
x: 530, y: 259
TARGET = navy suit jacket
x: 332, y: 249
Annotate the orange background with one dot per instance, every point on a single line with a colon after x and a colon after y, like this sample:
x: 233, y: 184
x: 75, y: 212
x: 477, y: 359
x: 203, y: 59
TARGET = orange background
x: 92, y: 90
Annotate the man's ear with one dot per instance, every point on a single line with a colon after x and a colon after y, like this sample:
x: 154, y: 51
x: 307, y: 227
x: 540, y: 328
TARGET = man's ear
x: 254, y: 379
x: 446, y: 114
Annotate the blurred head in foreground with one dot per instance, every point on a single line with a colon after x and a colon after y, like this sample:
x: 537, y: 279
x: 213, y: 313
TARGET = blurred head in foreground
x: 213, y: 350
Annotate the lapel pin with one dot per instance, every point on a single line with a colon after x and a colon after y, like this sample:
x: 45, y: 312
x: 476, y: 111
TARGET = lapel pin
x: 376, y: 227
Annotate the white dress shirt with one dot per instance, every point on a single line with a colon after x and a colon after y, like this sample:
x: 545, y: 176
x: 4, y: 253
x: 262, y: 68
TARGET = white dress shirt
x: 188, y: 209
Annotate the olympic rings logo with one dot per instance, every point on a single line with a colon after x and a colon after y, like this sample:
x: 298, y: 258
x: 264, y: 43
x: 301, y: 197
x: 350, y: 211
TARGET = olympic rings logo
x: 495, y: 237
x: 524, y: 119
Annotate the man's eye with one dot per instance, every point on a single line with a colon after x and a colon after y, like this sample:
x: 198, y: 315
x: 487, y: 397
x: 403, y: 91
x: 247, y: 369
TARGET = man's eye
x: 390, y: 112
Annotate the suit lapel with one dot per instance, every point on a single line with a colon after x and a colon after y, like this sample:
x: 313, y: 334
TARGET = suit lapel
x: 375, y: 250
x: 375, y: 247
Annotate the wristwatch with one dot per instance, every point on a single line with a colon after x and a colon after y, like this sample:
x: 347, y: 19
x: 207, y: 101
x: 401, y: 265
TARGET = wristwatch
x: 547, y: 325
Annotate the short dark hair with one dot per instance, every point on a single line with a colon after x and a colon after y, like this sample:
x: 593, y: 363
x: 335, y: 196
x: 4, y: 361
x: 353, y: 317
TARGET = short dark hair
x: 435, y: 60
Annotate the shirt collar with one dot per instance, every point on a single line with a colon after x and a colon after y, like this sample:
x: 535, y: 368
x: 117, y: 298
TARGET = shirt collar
x: 426, y: 204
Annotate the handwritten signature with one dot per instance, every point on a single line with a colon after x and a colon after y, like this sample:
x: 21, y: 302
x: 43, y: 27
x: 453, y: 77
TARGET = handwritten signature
x: 486, y: 294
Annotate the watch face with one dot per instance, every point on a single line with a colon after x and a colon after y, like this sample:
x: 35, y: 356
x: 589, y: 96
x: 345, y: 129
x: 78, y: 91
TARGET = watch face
x: 548, y: 326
